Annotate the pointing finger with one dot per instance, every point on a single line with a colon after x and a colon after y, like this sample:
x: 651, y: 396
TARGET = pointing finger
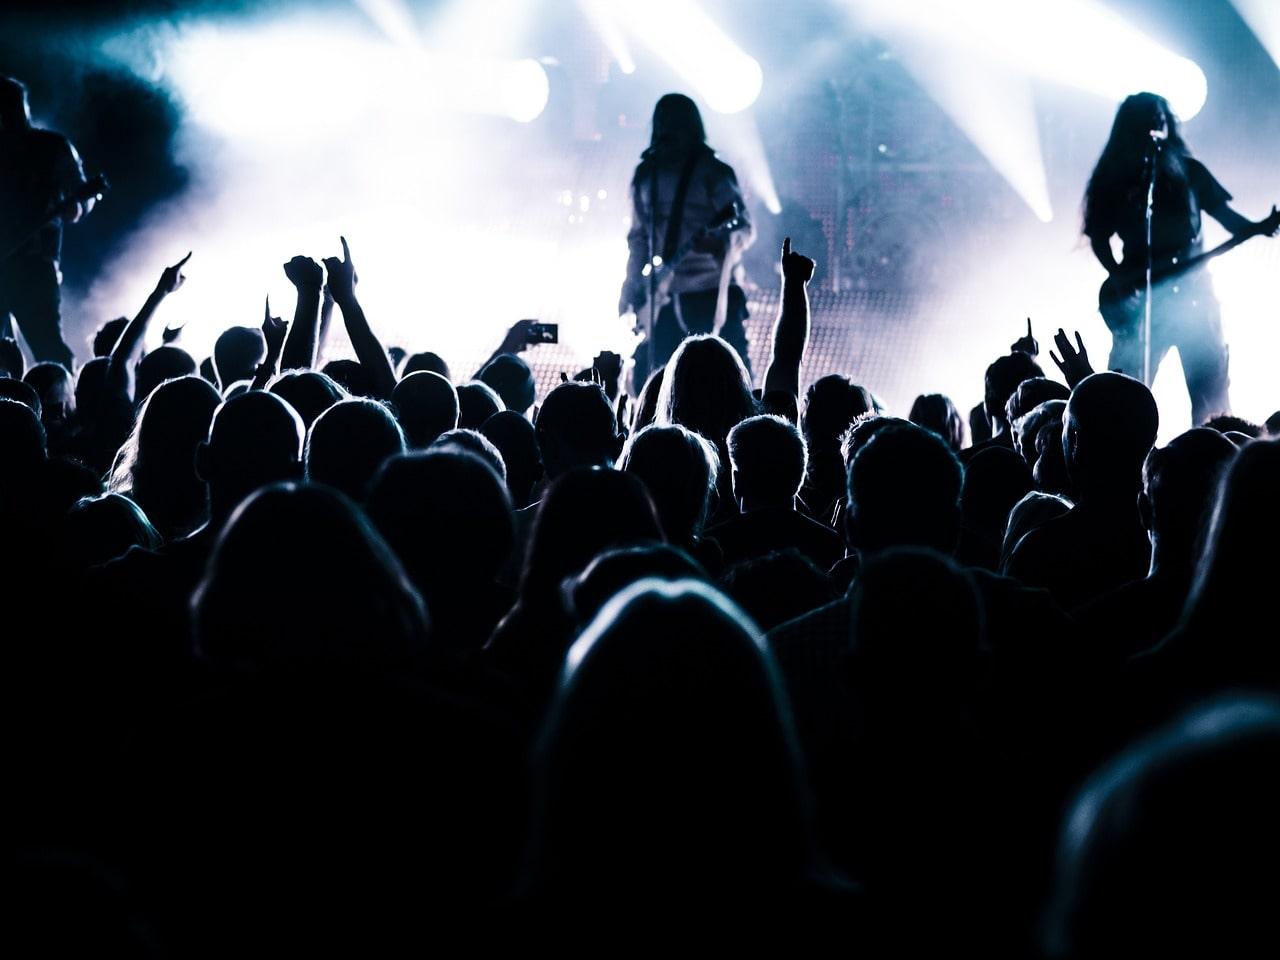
x: 346, y: 251
x: 786, y: 246
x: 183, y: 262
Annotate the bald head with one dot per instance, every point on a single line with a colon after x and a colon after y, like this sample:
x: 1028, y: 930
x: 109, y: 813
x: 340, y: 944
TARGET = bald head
x: 1109, y: 429
x: 426, y: 405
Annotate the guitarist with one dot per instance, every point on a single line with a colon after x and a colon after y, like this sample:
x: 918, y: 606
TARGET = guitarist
x: 1184, y: 310
x: 38, y: 168
x: 678, y: 188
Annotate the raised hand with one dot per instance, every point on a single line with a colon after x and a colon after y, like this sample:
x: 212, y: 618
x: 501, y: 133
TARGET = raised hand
x: 172, y: 277
x: 1074, y: 361
x: 517, y: 338
x: 170, y: 334
x: 342, y: 275
x: 1026, y: 344
x: 796, y: 266
x: 273, y: 331
x: 1269, y: 226
x: 304, y: 272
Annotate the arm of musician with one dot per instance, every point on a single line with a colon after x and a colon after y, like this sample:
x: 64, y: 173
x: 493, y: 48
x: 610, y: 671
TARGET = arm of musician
x: 369, y: 349
x: 302, y: 341
x: 1239, y: 225
x: 70, y: 176
x: 725, y: 192
x: 791, y: 332
x: 125, y: 353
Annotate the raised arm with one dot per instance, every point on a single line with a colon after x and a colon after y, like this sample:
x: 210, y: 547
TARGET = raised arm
x: 369, y: 349
x: 791, y: 331
x: 1241, y: 226
x: 125, y: 352
x: 304, y: 333
x: 273, y: 331
x: 515, y: 341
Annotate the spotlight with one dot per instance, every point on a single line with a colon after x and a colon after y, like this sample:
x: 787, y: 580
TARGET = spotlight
x: 1263, y: 18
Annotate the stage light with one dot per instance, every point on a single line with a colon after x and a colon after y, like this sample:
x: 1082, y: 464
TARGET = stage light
x: 737, y: 136
x: 1263, y: 18
x: 1079, y: 43
x: 600, y: 13
x: 694, y: 46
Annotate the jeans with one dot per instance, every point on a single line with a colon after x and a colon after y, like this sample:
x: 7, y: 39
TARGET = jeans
x: 698, y: 311
x: 29, y: 290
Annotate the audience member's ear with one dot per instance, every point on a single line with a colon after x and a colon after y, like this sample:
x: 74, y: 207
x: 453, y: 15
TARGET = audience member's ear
x: 204, y: 462
x: 1144, y: 510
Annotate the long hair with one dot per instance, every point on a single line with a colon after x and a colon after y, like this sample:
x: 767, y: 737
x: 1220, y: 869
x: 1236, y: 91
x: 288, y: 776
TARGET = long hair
x: 677, y: 129
x: 1122, y: 167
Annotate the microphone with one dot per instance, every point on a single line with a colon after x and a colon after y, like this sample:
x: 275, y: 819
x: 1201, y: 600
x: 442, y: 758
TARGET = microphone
x: 1157, y: 135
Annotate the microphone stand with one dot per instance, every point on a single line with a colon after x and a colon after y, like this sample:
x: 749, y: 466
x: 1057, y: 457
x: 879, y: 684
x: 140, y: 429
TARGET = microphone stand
x: 1153, y: 156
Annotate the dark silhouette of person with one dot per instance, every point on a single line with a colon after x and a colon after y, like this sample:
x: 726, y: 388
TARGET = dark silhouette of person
x: 348, y: 444
x: 680, y: 187
x: 477, y: 402
x: 448, y: 518
x: 779, y: 586
x: 475, y: 442
x: 936, y: 412
x: 1163, y: 851
x: 1179, y: 489
x: 237, y: 353
x: 1002, y: 378
x: 426, y: 361
x: 768, y: 460
x: 351, y: 376
x: 156, y: 467
x: 12, y: 363
x: 38, y: 170
x: 613, y: 571
x: 514, y: 436
x: 994, y: 481
x: 20, y: 392
x: 309, y: 392
x: 1100, y: 544
x: 511, y: 378
x: 107, y: 336
x: 667, y: 773
x: 1184, y: 309
x: 832, y: 405
x: 161, y: 364
x: 426, y: 405
x: 98, y: 530
x: 1028, y: 513
x: 680, y: 470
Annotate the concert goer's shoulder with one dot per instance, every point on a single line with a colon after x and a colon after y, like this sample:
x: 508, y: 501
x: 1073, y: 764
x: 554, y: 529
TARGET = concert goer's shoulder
x: 1209, y: 192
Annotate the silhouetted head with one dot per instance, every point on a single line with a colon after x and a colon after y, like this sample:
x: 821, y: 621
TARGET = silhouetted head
x: 832, y: 405
x: 100, y: 529
x: 255, y: 440
x: 237, y: 353
x: 515, y: 439
x: 24, y: 393
x: 299, y: 580
x: 1002, y: 378
x: 584, y: 512
x: 22, y: 440
x: 475, y: 442
x: 916, y: 619
x: 936, y: 412
x: 1225, y: 423
x: 477, y: 402
x: 994, y: 480
x: 667, y: 769
x: 1031, y: 511
x: 512, y: 379
x: 576, y: 428
x: 348, y: 443
x: 107, y: 336
x: 1030, y: 394
x: 677, y: 127
x: 15, y: 112
x: 1048, y: 415
x: 426, y: 362
x: 447, y: 516
x: 309, y: 392
x: 11, y: 361
x: 706, y: 388
x: 904, y: 490
x: 1161, y: 852
x: 351, y: 376
x: 680, y: 469
x: 53, y: 383
x: 426, y: 406
x: 778, y: 587
x: 91, y: 387
x: 613, y: 571
x: 1233, y: 579
x: 161, y: 364
x: 1179, y: 488
x: 1110, y: 427
x: 768, y: 458
x: 156, y: 466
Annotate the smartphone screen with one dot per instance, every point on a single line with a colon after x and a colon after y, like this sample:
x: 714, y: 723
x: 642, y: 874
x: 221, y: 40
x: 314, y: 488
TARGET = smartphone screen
x: 544, y: 333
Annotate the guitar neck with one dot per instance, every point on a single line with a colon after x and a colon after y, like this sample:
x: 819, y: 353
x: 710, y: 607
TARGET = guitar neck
x: 1176, y: 266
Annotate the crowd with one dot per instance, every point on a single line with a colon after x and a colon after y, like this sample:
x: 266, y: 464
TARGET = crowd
x: 298, y: 645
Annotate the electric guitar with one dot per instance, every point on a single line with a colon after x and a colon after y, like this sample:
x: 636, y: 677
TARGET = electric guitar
x: 95, y: 187
x: 1122, y: 297
x: 663, y: 272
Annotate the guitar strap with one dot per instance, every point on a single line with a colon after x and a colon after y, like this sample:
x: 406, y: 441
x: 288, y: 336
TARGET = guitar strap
x: 671, y: 242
